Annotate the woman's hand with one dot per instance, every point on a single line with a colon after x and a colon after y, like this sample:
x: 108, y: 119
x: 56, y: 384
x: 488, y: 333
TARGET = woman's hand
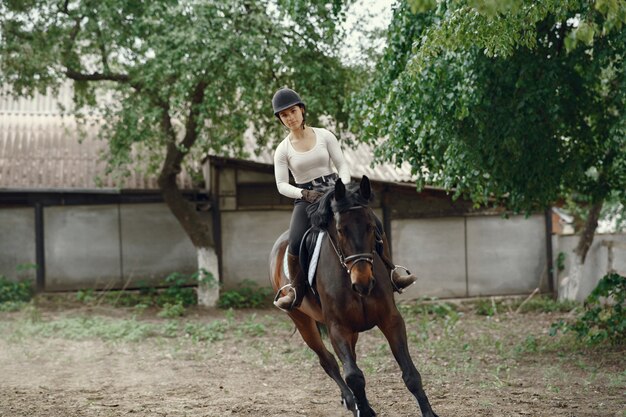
x: 311, y: 196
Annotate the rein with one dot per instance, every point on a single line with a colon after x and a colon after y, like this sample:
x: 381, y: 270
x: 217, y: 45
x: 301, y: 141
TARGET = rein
x: 354, y: 259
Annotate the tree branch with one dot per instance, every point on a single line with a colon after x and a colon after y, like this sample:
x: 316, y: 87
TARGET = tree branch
x: 103, y: 52
x: 191, y: 127
x: 586, y: 237
x: 96, y: 76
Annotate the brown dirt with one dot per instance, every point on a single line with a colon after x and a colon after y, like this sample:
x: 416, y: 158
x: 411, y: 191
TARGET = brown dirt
x: 502, y: 366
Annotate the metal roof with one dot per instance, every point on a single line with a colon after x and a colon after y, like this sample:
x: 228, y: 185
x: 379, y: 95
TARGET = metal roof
x: 45, y: 152
x: 40, y: 148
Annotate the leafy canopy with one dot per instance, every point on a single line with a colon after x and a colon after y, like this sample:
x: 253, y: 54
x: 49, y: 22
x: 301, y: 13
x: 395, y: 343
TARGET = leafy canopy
x: 518, y: 99
x: 161, y: 69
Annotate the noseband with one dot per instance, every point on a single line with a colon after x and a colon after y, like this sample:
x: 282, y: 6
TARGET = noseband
x: 353, y: 259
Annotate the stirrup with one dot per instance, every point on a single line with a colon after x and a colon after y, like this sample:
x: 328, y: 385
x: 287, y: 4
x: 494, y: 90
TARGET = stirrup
x: 393, y: 284
x: 280, y: 290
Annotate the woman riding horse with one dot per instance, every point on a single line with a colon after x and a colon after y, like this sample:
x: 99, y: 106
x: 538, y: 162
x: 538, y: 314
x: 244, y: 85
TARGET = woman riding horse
x: 307, y: 152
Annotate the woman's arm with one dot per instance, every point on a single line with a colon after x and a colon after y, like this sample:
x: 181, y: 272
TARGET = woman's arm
x: 336, y: 155
x: 281, y: 172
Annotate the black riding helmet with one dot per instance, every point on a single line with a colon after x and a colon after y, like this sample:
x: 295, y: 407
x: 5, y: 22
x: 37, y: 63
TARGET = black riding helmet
x: 285, y: 98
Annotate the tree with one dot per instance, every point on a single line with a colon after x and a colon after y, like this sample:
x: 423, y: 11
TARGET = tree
x: 182, y: 77
x: 522, y: 102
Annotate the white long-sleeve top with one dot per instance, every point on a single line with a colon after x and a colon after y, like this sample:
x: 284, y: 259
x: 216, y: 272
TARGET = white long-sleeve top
x: 306, y: 166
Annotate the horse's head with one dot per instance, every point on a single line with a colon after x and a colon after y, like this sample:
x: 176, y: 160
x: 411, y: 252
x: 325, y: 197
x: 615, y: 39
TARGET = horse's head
x: 356, y: 233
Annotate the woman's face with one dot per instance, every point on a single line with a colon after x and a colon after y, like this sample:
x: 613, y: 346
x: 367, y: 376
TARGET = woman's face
x: 292, y: 117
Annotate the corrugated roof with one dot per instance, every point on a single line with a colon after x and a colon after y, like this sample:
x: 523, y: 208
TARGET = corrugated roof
x: 45, y: 152
x: 40, y: 149
x: 41, y: 104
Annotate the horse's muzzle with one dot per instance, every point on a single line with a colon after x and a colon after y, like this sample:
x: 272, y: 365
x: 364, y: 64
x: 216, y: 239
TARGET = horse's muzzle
x: 364, y: 289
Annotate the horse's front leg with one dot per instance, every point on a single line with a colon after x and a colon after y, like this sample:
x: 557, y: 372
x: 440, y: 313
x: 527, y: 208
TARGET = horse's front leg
x: 344, y: 342
x: 311, y: 335
x: 395, y: 331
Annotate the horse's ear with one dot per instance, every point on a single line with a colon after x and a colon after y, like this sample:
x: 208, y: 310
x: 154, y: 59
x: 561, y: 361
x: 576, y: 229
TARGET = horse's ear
x: 340, y: 190
x: 366, y: 188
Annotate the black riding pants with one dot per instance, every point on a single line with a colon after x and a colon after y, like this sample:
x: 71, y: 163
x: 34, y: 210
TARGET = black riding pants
x: 300, y: 223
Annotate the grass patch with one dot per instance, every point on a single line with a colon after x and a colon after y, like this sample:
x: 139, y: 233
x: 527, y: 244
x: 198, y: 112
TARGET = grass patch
x: 84, y: 328
x: 539, y: 304
x: 247, y: 295
x: 32, y: 324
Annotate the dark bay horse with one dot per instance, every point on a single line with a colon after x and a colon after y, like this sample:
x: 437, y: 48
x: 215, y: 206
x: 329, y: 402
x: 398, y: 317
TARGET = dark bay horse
x: 354, y: 294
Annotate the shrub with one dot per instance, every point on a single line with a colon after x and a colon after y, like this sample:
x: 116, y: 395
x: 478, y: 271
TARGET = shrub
x: 429, y: 306
x: 178, y: 291
x: 172, y: 310
x: 604, y: 315
x: 248, y: 295
x: 15, y: 292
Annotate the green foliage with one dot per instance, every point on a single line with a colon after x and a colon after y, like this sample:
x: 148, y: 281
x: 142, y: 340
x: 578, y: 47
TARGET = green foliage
x: 172, y: 310
x: 248, y: 295
x: 15, y: 292
x: 178, y: 291
x: 540, y: 304
x: 604, y: 316
x: 211, y: 66
x: 429, y: 306
x: 211, y: 332
x: 546, y: 304
x: 486, y: 307
x: 560, y: 261
x: 529, y: 345
x: 84, y: 327
x: 493, y: 104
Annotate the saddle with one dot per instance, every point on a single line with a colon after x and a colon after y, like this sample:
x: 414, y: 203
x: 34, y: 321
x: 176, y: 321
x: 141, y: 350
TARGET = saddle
x: 307, y: 248
x: 309, y: 255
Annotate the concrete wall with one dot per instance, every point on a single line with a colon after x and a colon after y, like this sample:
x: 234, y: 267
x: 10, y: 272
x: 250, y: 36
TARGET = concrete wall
x: 82, y: 247
x: 17, y: 242
x: 471, y: 256
x: 596, y: 264
x: 154, y: 244
x: 453, y: 257
x: 434, y: 250
x: 505, y: 256
x: 98, y: 246
x: 247, y: 239
x: 117, y: 245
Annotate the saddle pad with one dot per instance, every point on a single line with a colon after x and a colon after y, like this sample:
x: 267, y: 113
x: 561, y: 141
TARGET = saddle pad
x: 314, y: 259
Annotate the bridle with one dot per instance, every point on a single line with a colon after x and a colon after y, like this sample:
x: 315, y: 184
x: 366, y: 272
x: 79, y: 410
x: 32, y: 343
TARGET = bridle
x: 353, y: 259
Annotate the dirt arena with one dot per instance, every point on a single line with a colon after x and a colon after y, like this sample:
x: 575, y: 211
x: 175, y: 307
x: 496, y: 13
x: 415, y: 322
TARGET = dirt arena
x: 60, y: 361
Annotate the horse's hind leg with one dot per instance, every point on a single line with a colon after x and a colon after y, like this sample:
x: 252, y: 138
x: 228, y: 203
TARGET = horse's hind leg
x: 344, y: 342
x: 395, y: 332
x: 311, y: 335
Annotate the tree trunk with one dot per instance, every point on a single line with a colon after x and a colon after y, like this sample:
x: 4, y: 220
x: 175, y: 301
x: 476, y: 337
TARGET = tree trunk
x: 199, y: 231
x: 571, y: 284
x: 201, y: 234
x: 208, y: 283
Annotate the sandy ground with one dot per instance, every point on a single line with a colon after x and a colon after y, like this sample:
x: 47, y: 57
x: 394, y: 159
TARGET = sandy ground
x: 504, y: 366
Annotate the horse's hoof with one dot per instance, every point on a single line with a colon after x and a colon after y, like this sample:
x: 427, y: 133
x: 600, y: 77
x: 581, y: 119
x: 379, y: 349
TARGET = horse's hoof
x: 349, y: 405
x: 364, y: 413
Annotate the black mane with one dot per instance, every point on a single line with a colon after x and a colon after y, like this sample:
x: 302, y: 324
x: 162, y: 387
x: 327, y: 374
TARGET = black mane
x: 321, y: 213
